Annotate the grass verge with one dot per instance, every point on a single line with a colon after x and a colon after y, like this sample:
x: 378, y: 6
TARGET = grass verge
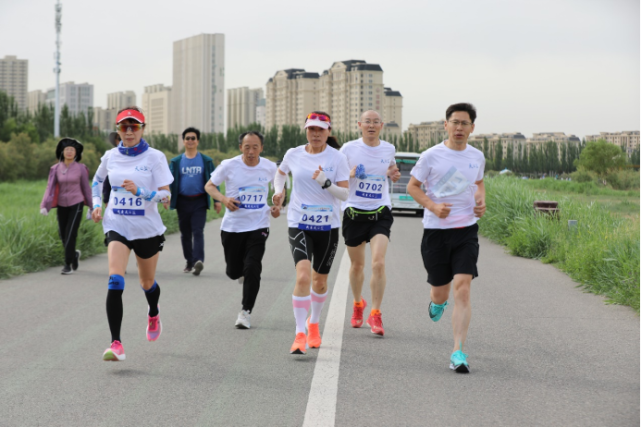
x: 601, y: 252
x: 29, y: 241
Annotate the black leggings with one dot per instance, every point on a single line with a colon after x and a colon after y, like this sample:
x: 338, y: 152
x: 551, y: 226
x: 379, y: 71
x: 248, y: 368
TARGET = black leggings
x: 69, y: 218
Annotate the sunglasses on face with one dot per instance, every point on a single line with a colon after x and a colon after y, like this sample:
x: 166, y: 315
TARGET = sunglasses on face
x: 190, y: 138
x: 134, y: 127
x: 321, y: 117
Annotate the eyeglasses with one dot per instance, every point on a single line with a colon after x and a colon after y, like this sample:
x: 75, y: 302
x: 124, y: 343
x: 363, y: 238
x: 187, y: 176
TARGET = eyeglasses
x: 190, y: 138
x: 456, y: 123
x: 321, y: 117
x: 368, y: 122
x: 134, y: 127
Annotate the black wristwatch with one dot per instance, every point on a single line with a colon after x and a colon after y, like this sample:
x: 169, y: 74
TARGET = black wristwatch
x: 327, y: 184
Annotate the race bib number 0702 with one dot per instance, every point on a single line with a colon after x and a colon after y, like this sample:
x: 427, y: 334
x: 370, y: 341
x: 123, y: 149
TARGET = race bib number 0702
x: 371, y: 187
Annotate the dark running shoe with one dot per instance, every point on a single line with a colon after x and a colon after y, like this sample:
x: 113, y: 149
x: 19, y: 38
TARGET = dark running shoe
x: 66, y: 270
x: 74, y: 264
x: 198, y: 267
x: 188, y: 268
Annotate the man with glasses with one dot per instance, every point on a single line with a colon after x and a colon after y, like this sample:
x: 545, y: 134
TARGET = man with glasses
x: 191, y: 171
x: 454, y: 200
x: 367, y: 214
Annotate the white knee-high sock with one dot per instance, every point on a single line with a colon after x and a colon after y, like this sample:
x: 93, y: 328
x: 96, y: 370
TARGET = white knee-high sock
x: 301, y: 308
x: 318, y: 301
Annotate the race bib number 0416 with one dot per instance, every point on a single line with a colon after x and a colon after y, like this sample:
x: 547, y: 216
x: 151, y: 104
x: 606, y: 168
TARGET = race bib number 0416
x: 316, y: 217
x: 252, y: 197
x: 371, y: 187
x: 125, y: 203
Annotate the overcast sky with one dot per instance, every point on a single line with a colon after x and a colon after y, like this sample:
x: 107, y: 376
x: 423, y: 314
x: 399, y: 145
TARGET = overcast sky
x: 529, y: 66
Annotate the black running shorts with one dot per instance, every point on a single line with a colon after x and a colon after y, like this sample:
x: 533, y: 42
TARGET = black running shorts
x: 449, y: 252
x: 316, y: 246
x: 357, y: 232
x: 143, y: 248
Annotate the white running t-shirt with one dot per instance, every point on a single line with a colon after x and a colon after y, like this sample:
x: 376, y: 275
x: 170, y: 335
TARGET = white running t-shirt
x: 128, y: 215
x: 449, y: 176
x: 371, y: 190
x: 311, y: 207
x: 249, y: 185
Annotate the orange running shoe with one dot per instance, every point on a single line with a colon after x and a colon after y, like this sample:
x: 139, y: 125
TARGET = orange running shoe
x: 357, y: 315
x: 299, y: 344
x: 376, y: 323
x: 313, y: 335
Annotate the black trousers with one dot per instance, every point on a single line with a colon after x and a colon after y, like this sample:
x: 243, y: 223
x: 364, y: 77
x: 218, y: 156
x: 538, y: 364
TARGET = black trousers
x: 244, y: 257
x: 69, y: 218
x: 192, y: 215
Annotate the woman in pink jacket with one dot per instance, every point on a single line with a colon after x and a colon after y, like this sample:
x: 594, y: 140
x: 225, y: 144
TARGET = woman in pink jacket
x: 68, y: 190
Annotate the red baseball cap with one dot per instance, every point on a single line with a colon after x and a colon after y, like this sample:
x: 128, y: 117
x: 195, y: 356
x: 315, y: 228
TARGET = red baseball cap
x: 130, y: 114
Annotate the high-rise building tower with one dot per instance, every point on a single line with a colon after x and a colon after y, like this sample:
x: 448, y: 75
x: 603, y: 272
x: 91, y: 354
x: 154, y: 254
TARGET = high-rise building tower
x: 78, y: 97
x: 14, y: 74
x: 198, y: 91
x: 242, y: 103
x: 120, y: 100
x: 156, y: 103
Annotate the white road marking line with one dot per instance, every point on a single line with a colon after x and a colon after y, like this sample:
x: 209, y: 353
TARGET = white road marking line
x: 321, y: 405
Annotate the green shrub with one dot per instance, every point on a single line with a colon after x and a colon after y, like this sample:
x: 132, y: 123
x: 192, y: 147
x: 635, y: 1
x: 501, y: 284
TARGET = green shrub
x: 623, y: 179
x: 582, y: 175
x: 602, y: 252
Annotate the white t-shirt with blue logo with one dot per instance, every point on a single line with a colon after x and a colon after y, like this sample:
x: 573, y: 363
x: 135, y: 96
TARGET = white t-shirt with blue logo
x: 131, y: 216
x: 449, y: 176
x: 370, y: 190
x: 311, y: 207
x: 249, y: 185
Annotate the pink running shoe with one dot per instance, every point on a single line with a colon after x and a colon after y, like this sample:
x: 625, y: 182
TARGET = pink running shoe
x: 357, y: 315
x: 115, y: 353
x: 376, y: 323
x: 154, y: 327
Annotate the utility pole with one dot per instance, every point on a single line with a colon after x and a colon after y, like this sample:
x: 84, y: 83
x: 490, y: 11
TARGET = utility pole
x: 56, y: 119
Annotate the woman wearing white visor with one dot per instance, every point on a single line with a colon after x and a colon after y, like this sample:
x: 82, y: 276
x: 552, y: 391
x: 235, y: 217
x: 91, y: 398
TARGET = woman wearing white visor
x: 320, y: 180
x: 140, y: 179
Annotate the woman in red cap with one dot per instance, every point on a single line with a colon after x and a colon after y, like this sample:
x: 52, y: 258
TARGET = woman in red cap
x: 140, y: 179
x: 68, y: 191
x: 320, y: 175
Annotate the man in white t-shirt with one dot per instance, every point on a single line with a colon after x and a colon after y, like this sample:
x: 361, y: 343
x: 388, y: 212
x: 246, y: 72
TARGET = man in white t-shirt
x: 245, y: 227
x: 454, y: 200
x: 367, y: 214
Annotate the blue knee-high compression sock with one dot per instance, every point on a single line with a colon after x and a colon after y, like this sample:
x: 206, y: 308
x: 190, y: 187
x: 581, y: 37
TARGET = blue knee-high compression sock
x: 114, y: 305
x: 153, y: 295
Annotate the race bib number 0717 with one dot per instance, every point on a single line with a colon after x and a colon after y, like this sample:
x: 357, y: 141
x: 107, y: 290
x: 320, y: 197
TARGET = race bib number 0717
x: 252, y: 197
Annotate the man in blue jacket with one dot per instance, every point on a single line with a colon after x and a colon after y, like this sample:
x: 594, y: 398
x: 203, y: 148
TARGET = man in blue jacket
x: 191, y: 171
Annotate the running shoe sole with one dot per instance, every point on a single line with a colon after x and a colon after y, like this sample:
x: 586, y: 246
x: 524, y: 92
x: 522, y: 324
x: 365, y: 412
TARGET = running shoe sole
x: 461, y: 369
x: 198, y: 267
x: 110, y: 356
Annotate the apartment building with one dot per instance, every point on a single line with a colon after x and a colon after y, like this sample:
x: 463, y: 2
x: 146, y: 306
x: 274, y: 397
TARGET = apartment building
x: 242, y: 104
x: 344, y: 91
x: 119, y: 100
x: 34, y: 99
x: 104, y: 119
x: 157, y: 104
x: 428, y: 134
x: 198, y: 91
x: 260, y: 112
x: 515, y: 139
x: 626, y: 139
x: 14, y: 77
x: 392, y: 112
x: 78, y: 97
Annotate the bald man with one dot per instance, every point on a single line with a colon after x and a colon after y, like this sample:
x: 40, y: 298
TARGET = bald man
x: 367, y: 214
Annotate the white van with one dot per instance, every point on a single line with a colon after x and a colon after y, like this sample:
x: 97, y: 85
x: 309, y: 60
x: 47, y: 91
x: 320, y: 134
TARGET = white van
x: 401, y: 201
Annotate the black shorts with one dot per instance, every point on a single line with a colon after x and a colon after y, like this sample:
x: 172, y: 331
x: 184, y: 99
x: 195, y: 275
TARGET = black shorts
x: 316, y: 246
x: 143, y: 248
x: 356, y: 232
x: 449, y: 252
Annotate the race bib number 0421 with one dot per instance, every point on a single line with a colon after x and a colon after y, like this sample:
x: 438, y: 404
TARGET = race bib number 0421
x: 316, y: 217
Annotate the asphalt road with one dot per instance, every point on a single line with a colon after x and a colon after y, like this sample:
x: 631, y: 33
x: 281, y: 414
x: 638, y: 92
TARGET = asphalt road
x: 541, y: 351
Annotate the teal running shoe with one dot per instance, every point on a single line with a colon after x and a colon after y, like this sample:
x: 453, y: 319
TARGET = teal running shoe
x: 458, y: 362
x: 436, y: 310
